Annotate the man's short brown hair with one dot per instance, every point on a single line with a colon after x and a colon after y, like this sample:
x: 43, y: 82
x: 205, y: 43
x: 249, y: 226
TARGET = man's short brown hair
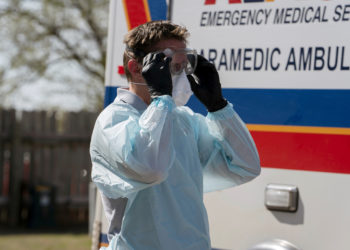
x: 140, y: 40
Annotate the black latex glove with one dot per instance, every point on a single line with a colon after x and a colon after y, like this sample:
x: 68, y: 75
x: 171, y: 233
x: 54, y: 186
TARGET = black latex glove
x: 156, y: 72
x: 206, y: 86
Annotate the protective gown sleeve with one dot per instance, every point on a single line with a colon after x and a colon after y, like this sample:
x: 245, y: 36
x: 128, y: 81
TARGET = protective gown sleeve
x: 130, y: 152
x: 226, y: 149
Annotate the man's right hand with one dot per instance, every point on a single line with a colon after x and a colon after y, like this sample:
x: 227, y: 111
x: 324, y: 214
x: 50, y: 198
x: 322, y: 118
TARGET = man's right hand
x: 157, y: 75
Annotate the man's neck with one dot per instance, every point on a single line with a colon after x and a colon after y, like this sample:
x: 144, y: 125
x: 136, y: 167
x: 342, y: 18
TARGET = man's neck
x: 141, y: 91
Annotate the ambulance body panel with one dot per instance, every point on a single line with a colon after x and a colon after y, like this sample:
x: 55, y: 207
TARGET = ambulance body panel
x: 285, y: 66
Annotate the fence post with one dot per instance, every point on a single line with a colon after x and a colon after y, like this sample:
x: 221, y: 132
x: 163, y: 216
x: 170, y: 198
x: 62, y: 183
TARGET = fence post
x: 15, y: 171
x: 92, y: 205
x: 2, y: 151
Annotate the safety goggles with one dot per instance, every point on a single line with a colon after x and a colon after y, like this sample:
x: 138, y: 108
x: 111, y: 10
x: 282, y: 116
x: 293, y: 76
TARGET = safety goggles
x: 182, y: 59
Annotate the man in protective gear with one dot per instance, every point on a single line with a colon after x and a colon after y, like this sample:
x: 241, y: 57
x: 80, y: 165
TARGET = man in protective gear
x: 153, y: 158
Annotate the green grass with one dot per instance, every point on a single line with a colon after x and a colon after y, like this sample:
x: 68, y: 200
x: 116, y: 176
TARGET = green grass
x: 42, y: 241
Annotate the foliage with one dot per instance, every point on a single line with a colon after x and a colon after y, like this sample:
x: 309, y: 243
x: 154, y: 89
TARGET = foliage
x: 54, y: 41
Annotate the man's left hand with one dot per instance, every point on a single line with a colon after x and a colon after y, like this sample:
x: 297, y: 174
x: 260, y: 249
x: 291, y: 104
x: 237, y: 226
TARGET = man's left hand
x: 206, y: 86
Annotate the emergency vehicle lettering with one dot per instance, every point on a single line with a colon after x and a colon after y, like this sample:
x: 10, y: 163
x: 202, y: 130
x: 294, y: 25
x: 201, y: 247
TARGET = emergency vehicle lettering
x: 300, y: 15
x: 209, y: 2
x: 235, y: 17
x: 245, y: 59
x: 274, y: 15
x: 331, y: 58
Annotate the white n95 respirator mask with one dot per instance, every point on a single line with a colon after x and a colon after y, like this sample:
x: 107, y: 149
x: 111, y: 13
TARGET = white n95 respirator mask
x: 183, y: 63
x: 181, y: 89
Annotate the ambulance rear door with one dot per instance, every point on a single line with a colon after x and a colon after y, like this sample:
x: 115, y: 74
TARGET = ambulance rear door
x: 285, y: 66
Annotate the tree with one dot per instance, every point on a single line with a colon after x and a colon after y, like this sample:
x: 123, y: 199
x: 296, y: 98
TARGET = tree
x: 54, y: 42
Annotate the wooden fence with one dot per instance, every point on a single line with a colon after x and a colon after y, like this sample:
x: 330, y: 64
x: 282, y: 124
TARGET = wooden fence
x: 44, y: 168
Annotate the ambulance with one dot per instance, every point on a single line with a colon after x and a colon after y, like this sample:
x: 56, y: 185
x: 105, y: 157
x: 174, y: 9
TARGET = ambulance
x: 285, y: 66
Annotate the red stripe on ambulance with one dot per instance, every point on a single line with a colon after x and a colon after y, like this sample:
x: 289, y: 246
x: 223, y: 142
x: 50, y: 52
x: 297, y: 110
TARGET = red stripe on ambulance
x: 136, y: 12
x: 302, y: 151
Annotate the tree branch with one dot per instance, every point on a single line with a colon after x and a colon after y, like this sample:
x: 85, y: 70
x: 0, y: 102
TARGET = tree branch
x: 54, y: 31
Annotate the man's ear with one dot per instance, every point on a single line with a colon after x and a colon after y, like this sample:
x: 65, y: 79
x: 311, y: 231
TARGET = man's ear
x: 134, y: 67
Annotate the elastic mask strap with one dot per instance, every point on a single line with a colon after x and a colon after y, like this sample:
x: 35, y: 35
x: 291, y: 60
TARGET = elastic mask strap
x: 139, y: 83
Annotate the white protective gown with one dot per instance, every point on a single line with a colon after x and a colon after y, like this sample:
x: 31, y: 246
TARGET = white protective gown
x: 162, y: 159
